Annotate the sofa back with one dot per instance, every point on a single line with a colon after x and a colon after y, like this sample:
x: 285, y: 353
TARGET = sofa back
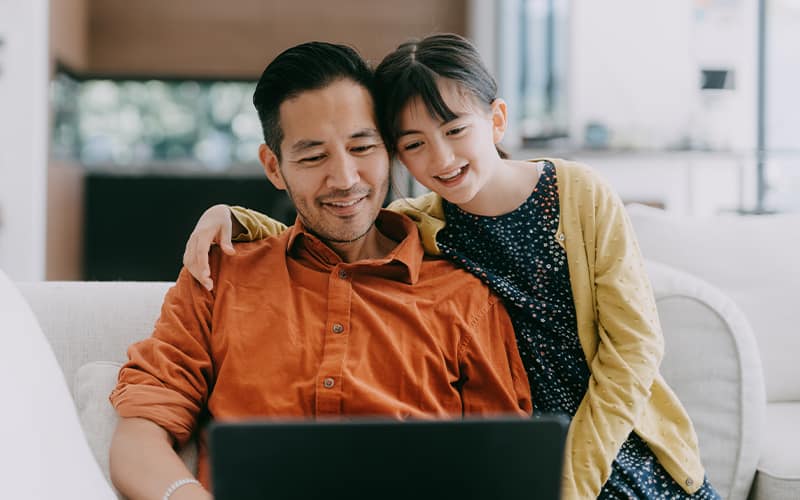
x: 94, y: 321
x: 752, y: 259
x: 90, y: 325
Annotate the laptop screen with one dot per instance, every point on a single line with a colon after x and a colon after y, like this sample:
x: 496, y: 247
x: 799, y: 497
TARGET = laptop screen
x: 377, y: 459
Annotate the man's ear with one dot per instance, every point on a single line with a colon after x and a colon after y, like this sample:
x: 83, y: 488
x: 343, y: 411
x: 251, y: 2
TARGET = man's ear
x: 499, y: 117
x: 271, y: 166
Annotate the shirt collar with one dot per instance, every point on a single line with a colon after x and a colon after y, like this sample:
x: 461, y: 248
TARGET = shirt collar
x: 403, y: 263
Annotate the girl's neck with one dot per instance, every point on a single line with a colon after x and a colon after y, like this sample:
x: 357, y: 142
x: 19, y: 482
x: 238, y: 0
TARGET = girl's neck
x: 510, y: 184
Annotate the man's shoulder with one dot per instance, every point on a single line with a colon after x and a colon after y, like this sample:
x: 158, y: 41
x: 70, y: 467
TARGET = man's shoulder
x: 248, y: 256
x: 445, y: 280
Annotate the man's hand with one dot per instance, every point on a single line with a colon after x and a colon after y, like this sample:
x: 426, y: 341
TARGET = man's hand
x: 214, y: 227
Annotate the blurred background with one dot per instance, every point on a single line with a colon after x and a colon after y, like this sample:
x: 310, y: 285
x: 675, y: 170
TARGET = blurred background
x: 120, y: 121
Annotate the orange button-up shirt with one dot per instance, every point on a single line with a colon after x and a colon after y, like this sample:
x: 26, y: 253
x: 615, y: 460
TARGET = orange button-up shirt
x: 291, y: 330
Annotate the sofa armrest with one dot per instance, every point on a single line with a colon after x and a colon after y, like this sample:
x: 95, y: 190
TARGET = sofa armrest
x: 712, y: 363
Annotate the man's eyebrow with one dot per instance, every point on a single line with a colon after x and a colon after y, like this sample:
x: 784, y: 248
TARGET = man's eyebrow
x: 304, y: 144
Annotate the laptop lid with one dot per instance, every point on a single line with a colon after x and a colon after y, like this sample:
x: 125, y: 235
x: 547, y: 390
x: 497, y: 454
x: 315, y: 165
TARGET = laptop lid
x: 493, y: 458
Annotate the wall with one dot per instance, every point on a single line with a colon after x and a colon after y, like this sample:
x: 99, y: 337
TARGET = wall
x: 23, y: 137
x: 69, y: 47
x: 237, y: 38
x: 65, y: 220
x: 630, y: 68
x: 69, y: 33
x: 635, y: 65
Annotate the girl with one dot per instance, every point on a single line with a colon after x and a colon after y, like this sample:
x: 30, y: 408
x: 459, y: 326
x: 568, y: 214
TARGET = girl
x: 552, y: 239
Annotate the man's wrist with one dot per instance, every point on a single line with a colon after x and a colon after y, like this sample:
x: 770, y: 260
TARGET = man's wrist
x: 186, y: 489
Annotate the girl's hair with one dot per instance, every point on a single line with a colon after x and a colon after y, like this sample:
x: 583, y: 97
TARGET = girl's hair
x: 414, y: 68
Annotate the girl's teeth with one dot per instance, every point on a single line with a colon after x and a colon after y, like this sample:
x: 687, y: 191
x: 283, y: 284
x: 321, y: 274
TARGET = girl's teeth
x: 451, y: 176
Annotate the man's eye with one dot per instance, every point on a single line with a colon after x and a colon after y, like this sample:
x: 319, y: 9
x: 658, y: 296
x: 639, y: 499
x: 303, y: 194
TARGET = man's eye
x: 312, y: 159
x: 412, y: 145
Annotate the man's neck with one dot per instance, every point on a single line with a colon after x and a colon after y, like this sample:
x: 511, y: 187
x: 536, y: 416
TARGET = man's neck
x: 373, y: 245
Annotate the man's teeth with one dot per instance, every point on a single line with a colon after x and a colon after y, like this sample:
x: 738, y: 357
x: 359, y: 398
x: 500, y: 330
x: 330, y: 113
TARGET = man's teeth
x: 453, y: 175
x: 344, y: 203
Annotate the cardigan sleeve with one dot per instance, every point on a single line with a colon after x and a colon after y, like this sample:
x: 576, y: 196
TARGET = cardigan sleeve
x: 629, y: 341
x: 427, y: 213
x: 257, y: 225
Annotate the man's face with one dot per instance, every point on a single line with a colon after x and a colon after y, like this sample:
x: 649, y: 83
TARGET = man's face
x: 334, y: 164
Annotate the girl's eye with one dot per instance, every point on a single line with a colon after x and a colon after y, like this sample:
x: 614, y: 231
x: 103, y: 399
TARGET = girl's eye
x: 364, y: 149
x: 457, y: 130
x: 412, y: 145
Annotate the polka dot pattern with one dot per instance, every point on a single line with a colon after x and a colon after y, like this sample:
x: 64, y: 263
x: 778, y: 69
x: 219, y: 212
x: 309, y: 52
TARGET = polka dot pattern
x: 518, y: 256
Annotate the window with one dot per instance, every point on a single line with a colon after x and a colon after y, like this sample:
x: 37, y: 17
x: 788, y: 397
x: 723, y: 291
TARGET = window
x: 119, y: 123
x: 533, y: 60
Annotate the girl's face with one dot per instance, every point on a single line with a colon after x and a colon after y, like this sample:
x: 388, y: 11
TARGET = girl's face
x: 456, y: 158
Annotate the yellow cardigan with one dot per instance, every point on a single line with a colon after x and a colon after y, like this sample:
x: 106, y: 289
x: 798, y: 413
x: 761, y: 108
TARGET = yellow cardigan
x: 618, y: 330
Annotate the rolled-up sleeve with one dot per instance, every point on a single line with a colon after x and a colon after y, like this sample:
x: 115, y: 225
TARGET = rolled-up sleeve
x: 168, y: 376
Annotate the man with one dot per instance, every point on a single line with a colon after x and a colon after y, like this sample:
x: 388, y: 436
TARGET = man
x: 341, y: 315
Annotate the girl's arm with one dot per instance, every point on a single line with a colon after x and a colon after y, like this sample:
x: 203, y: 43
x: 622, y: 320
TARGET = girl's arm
x: 220, y: 225
x: 628, y: 341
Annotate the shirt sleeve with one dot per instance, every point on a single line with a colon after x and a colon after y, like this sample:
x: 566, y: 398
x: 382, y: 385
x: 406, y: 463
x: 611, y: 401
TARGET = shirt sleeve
x: 168, y: 376
x: 629, y: 351
x: 493, y: 377
x: 257, y: 225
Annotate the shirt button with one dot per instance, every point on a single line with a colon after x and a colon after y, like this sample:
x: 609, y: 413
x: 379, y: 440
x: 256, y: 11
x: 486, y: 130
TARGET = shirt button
x: 689, y: 482
x: 337, y: 328
x: 328, y: 382
x: 561, y: 237
x: 342, y: 274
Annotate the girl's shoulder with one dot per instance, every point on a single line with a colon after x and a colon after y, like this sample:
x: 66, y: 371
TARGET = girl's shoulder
x: 429, y: 204
x: 573, y: 175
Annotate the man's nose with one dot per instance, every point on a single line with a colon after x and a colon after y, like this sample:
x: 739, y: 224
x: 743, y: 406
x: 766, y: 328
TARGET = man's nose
x: 343, y: 173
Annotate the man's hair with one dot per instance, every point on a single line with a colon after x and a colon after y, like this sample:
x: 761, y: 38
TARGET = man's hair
x: 304, y: 67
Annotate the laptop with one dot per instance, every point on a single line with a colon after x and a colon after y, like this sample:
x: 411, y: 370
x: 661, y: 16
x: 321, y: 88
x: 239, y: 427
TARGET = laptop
x: 494, y: 458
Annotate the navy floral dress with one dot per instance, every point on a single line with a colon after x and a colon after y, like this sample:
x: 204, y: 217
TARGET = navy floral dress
x: 518, y: 257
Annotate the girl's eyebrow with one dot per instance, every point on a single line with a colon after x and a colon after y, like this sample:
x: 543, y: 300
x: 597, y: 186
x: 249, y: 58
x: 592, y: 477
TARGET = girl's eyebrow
x: 403, y: 133
x: 365, y: 132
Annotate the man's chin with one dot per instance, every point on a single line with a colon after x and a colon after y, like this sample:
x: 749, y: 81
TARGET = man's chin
x: 340, y: 233
x: 345, y: 238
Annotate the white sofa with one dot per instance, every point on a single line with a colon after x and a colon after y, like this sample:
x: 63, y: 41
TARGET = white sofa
x: 712, y: 355
x: 752, y: 260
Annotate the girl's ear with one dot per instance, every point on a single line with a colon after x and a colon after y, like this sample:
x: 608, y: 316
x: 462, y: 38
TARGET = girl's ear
x: 499, y: 117
x: 271, y: 166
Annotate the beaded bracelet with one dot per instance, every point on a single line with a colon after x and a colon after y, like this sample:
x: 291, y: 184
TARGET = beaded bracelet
x: 177, y: 484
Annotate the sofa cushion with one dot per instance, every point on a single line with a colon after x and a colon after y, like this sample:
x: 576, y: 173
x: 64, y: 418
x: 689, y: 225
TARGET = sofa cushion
x: 711, y: 362
x: 752, y: 259
x: 93, y: 383
x: 43, y: 454
x: 778, y: 474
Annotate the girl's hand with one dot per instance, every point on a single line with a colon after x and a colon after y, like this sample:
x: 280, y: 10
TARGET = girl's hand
x: 214, y: 227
